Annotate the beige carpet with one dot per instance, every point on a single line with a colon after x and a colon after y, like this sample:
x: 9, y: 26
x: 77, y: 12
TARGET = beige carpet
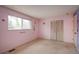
x: 43, y: 46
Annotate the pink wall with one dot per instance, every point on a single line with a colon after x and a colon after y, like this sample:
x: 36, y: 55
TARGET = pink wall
x: 10, y: 39
x: 45, y: 30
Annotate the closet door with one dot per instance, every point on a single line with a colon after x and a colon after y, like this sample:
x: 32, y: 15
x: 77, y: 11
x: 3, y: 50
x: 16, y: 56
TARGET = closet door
x: 53, y: 30
x: 59, y: 30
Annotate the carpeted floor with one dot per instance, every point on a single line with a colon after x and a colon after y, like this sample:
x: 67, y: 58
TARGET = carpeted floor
x: 43, y: 46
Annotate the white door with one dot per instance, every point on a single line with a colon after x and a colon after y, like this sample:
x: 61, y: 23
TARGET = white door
x: 53, y: 30
x: 75, y: 29
x: 57, y: 30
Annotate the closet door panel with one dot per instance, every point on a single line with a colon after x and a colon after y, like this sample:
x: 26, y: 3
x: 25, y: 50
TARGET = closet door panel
x: 59, y: 30
x: 53, y: 30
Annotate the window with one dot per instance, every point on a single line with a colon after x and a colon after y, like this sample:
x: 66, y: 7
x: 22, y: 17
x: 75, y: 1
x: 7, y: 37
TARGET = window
x: 27, y: 24
x: 16, y: 23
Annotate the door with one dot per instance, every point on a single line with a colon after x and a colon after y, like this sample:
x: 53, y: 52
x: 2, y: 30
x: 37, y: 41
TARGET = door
x: 75, y: 30
x: 53, y: 30
x: 57, y: 30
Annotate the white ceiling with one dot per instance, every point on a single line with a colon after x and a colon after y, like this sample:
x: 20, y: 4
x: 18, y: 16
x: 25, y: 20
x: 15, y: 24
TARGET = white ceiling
x: 43, y: 11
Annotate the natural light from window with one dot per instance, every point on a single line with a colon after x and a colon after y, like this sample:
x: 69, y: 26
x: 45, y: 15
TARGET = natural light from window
x: 16, y: 23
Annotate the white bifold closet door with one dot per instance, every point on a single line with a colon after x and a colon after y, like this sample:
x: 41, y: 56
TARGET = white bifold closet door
x: 53, y: 30
x: 57, y: 30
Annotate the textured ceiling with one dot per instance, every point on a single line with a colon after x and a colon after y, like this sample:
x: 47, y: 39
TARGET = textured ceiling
x: 43, y: 11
